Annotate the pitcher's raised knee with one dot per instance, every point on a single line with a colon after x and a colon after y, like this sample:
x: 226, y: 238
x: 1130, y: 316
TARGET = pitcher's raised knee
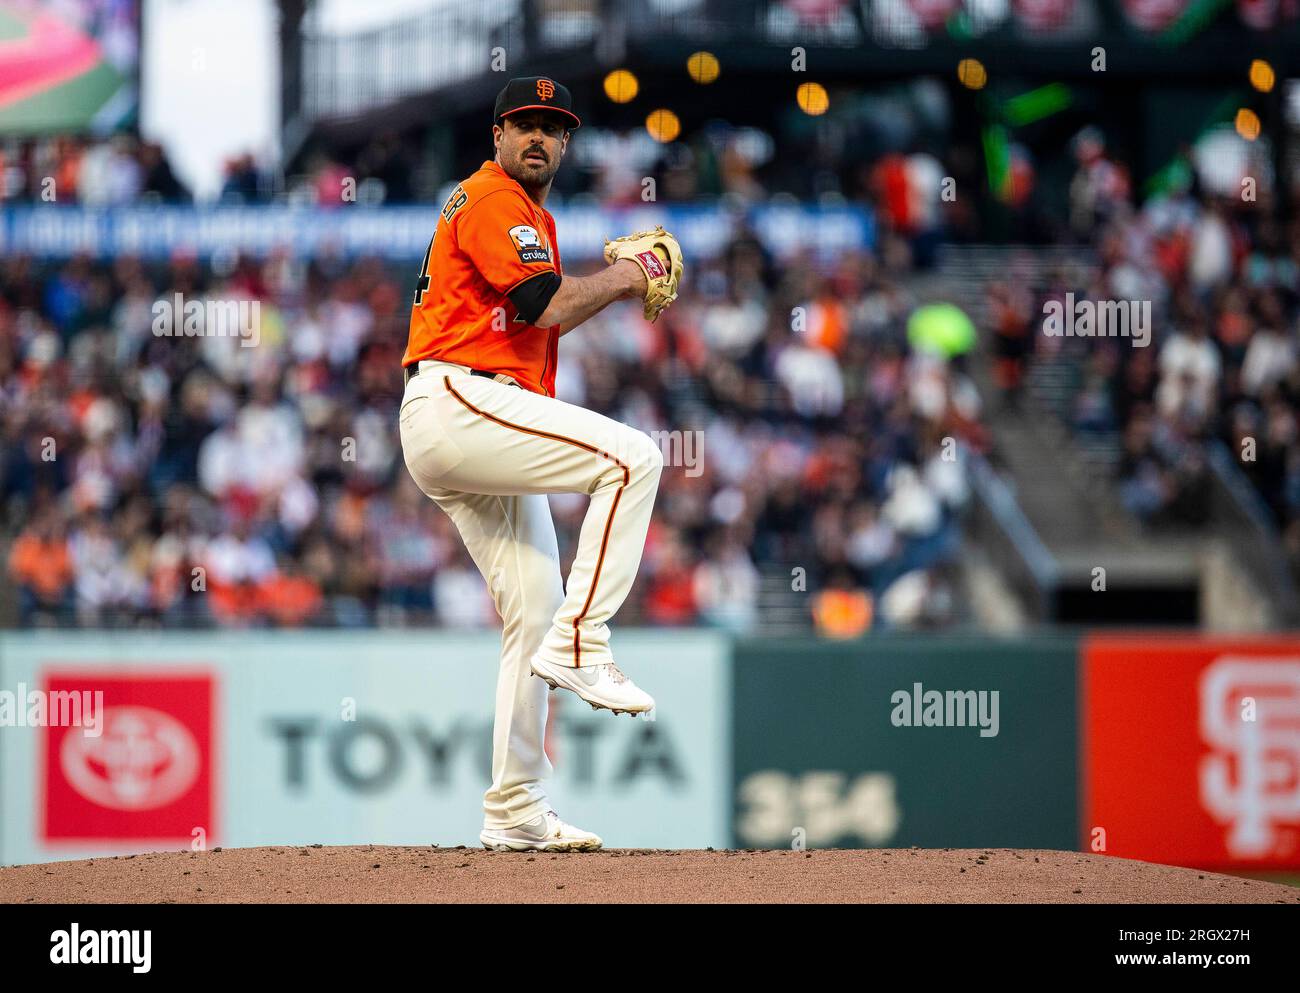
x: 646, y: 460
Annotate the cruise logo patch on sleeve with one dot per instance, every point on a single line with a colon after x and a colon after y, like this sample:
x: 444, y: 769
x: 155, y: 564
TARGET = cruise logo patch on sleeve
x: 528, y: 243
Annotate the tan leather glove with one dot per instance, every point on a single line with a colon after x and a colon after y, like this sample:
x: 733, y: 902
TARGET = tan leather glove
x: 660, y: 258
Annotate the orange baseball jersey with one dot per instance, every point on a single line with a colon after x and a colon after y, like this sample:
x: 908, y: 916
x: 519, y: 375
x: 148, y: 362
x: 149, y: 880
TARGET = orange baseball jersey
x: 489, y: 239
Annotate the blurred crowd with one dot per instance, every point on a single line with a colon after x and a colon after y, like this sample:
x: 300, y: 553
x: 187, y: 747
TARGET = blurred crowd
x: 814, y: 462
x: 605, y: 166
x: 166, y: 480
x: 97, y: 172
x: 1223, y: 278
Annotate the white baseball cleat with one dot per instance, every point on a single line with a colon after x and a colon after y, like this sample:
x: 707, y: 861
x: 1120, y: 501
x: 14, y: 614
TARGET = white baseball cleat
x: 602, y: 685
x: 546, y: 833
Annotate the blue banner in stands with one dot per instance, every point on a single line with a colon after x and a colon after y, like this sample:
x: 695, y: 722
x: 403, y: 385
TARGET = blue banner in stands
x: 403, y: 232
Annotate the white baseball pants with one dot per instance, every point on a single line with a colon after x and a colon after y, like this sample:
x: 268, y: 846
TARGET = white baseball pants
x: 488, y: 453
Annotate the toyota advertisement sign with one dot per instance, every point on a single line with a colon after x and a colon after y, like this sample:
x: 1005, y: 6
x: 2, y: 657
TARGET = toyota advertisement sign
x: 225, y: 739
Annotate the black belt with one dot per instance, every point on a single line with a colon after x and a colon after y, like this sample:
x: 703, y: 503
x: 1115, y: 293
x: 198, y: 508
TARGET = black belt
x: 409, y: 370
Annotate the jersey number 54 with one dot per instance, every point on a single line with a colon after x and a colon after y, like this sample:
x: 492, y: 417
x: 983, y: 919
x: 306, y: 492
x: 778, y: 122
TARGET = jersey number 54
x: 454, y: 202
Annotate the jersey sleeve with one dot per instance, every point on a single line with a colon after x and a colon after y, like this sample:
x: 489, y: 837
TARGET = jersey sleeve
x: 502, y: 240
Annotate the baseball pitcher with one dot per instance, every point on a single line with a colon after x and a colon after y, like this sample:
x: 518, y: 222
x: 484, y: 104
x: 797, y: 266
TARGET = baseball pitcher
x: 485, y: 438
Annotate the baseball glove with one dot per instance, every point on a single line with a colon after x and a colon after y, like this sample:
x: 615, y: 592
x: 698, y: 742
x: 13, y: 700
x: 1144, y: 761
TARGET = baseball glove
x: 660, y: 258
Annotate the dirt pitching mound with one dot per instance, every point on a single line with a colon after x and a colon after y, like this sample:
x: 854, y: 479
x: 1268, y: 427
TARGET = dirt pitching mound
x: 374, y: 874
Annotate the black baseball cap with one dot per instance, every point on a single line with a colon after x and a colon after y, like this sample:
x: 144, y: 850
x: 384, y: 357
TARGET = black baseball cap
x: 534, y: 93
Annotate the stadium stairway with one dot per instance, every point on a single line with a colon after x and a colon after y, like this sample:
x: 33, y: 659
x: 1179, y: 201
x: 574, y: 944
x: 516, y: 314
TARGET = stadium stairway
x: 782, y: 609
x: 1064, y: 484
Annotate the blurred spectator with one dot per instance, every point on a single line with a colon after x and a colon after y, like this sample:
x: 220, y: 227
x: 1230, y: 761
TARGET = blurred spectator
x: 1101, y: 185
x: 461, y: 597
x: 725, y: 585
x: 670, y: 600
x: 1010, y: 316
x: 292, y: 598
x: 244, y: 182
x: 40, y: 565
x: 842, y: 610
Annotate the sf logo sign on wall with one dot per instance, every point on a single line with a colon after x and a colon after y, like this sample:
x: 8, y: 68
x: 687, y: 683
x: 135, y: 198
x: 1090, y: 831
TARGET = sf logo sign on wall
x: 1250, y: 716
x: 1191, y: 750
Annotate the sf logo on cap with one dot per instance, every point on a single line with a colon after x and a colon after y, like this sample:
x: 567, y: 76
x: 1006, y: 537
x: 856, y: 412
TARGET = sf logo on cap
x: 545, y: 89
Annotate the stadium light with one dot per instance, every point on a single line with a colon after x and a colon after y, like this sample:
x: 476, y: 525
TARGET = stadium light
x: 972, y: 74
x: 703, y: 67
x: 1262, y: 76
x: 813, y: 99
x: 1247, y: 124
x: 621, y: 86
x: 663, y: 125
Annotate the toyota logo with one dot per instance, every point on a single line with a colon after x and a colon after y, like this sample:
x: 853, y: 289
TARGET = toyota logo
x: 144, y: 759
